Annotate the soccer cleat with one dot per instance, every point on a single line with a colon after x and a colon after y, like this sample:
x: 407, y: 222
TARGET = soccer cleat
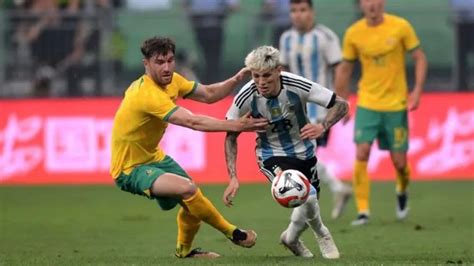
x: 298, y: 248
x: 328, y: 247
x: 244, y: 238
x: 199, y: 253
x: 361, y: 220
x: 402, y: 206
x: 341, y: 198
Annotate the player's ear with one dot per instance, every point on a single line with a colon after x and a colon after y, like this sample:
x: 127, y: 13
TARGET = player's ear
x: 145, y: 62
x: 279, y: 68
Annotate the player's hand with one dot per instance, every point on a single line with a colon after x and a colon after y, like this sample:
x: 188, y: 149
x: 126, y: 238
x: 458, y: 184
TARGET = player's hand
x: 230, y: 192
x: 312, y: 131
x: 242, y: 74
x: 414, y: 101
x: 248, y: 123
x: 346, y: 118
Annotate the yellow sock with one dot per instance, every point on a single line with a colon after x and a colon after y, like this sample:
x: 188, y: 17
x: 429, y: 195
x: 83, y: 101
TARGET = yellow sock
x: 403, y: 179
x: 199, y: 206
x: 188, y: 226
x: 361, y: 185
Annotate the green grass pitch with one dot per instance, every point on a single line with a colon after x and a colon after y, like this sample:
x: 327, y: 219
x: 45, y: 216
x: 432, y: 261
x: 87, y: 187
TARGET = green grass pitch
x: 101, y: 225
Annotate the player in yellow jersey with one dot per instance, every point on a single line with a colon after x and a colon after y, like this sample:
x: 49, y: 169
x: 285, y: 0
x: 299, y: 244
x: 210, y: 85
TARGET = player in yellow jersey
x: 379, y: 41
x: 140, y: 166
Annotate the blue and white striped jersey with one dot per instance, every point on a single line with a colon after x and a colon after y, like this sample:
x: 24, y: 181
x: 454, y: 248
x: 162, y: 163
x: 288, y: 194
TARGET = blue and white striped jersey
x: 286, y: 113
x: 311, y: 55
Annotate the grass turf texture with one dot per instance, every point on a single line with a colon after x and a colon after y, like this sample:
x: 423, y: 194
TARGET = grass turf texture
x: 102, y: 225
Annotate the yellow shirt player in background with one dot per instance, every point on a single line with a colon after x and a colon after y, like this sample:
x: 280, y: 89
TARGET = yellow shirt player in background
x: 379, y: 41
x: 141, y: 167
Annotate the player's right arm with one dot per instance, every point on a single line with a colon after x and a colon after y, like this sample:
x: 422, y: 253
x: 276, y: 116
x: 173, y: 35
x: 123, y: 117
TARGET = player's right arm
x: 240, y: 105
x: 183, y: 117
x: 345, y: 68
x: 231, y: 160
x: 342, y: 79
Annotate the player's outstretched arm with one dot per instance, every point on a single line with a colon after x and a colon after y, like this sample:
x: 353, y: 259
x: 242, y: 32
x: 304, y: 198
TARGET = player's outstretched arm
x: 335, y: 113
x: 185, y: 118
x: 217, y: 91
x: 231, y: 160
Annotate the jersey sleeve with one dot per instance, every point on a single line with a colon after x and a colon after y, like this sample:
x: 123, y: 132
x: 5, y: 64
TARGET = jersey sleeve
x: 333, y: 54
x: 185, y: 86
x: 241, y: 103
x: 321, y: 95
x: 349, y: 51
x: 160, y: 105
x: 284, y: 43
x: 409, y: 39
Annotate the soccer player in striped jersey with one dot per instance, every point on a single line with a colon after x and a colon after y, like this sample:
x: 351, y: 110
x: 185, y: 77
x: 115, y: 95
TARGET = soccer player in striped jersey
x: 290, y: 140
x: 380, y: 41
x: 140, y: 166
x: 312, y: 51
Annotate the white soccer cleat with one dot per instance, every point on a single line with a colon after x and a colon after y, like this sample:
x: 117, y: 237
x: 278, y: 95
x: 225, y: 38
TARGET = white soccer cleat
x: 402, y: 206
x: 328, y: 247
x: 361, y: 219
x: 297, y: 248
x: 402, y: 214
x: 341, y: 198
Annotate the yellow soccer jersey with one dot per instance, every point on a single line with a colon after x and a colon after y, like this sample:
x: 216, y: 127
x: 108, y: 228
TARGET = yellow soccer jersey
x: 381, y: 52
x: 141, y: 121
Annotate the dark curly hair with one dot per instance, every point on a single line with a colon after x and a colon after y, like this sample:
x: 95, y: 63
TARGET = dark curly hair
x: 157, y: 45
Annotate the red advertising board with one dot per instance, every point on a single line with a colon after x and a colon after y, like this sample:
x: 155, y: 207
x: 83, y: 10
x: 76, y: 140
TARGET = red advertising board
x: 67, y: 141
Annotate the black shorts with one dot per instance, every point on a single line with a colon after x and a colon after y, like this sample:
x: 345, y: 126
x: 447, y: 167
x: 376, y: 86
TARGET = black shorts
x: 307, y: 167
x: 322, y: 140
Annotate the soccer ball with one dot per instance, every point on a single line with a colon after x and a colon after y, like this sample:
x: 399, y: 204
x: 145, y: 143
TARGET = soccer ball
x: 290, y: 188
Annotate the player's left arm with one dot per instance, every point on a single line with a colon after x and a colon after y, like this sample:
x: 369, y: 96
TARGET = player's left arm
x: 217, y: 91
x: 412, y: 44
x: 421, y: 67
x: 338, y: 108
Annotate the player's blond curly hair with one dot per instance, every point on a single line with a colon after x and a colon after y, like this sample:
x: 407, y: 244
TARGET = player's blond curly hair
x: 263, y: 58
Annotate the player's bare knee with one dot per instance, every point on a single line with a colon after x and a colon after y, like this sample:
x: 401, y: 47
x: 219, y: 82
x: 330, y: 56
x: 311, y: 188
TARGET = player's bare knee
x: 188, y: 189
x: 363, y: 154
x: 399, y: 165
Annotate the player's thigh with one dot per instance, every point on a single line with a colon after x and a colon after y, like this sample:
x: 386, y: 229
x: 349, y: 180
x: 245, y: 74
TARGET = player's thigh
x: 367, y: 125
x: 395, y: 132
x: 140, y: 180
x: 183, y: 186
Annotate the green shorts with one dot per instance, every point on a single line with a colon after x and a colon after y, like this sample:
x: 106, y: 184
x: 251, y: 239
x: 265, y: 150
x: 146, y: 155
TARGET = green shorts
x: 140, y: 180
x: 389, y: 128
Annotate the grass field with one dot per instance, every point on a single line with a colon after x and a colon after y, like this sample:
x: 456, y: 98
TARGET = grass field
x: 100, y: 225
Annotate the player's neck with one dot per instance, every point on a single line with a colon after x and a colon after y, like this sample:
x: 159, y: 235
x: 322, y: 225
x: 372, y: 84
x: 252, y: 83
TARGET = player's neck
x: 307, y: 28
x: 375, y: 21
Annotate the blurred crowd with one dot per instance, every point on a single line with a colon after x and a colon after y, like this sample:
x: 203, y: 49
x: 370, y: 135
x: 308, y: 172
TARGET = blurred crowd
x: 56, y: 47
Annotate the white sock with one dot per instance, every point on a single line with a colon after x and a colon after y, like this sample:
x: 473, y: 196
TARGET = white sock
x: 326, y: 177
x: 300, y: 217
x: 314, y: 218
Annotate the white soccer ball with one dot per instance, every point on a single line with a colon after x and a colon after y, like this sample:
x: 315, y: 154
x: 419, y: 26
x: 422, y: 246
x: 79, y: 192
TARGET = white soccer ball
x: 290, y: 188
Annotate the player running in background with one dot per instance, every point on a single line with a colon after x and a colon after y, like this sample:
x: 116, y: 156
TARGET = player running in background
x: 141, y: 167
x: 290, y: 140
x: 379, y: 41
x: 312, y: 51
